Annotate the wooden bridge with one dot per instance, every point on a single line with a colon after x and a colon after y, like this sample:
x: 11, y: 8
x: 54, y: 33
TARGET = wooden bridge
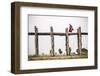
x: 52, y: 34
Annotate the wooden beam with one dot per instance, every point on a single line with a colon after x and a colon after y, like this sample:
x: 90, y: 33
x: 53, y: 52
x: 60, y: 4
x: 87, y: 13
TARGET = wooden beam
x: 36, y: 41
x: 52, y: 41
x: 60, y: 34
x: 79, y: 37
x: 67, y: 42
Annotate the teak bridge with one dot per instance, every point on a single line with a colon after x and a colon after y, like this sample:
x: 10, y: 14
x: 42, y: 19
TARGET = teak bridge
x: 52, y: 34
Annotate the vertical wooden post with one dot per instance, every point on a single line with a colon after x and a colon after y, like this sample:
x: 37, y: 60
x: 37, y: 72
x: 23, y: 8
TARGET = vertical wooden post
x: 36, y: 41
x: 52, y: 41
x: 67, y: 42
x: 79, y: 40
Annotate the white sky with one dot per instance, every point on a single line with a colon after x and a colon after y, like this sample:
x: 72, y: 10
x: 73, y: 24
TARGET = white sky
x: 59, y: 23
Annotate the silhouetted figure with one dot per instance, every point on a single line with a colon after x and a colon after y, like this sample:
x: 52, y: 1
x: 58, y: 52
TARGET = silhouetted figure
x: 60, y: 51
x: 70, y: 28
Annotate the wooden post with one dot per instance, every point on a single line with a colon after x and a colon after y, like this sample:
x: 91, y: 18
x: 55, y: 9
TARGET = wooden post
x: 67, y: 42
x: 36, y: 41
x: 52, y: 41
x: 79, y: 37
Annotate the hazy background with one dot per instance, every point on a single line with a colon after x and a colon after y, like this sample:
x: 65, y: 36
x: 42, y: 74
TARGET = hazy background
x: 59, y: 23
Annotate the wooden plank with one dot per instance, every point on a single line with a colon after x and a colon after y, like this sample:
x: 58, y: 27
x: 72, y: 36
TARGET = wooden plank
x: 60, y: 34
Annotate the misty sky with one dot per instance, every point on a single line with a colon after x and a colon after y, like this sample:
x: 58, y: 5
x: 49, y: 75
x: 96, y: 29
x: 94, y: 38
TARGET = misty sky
x: 59, y: 23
